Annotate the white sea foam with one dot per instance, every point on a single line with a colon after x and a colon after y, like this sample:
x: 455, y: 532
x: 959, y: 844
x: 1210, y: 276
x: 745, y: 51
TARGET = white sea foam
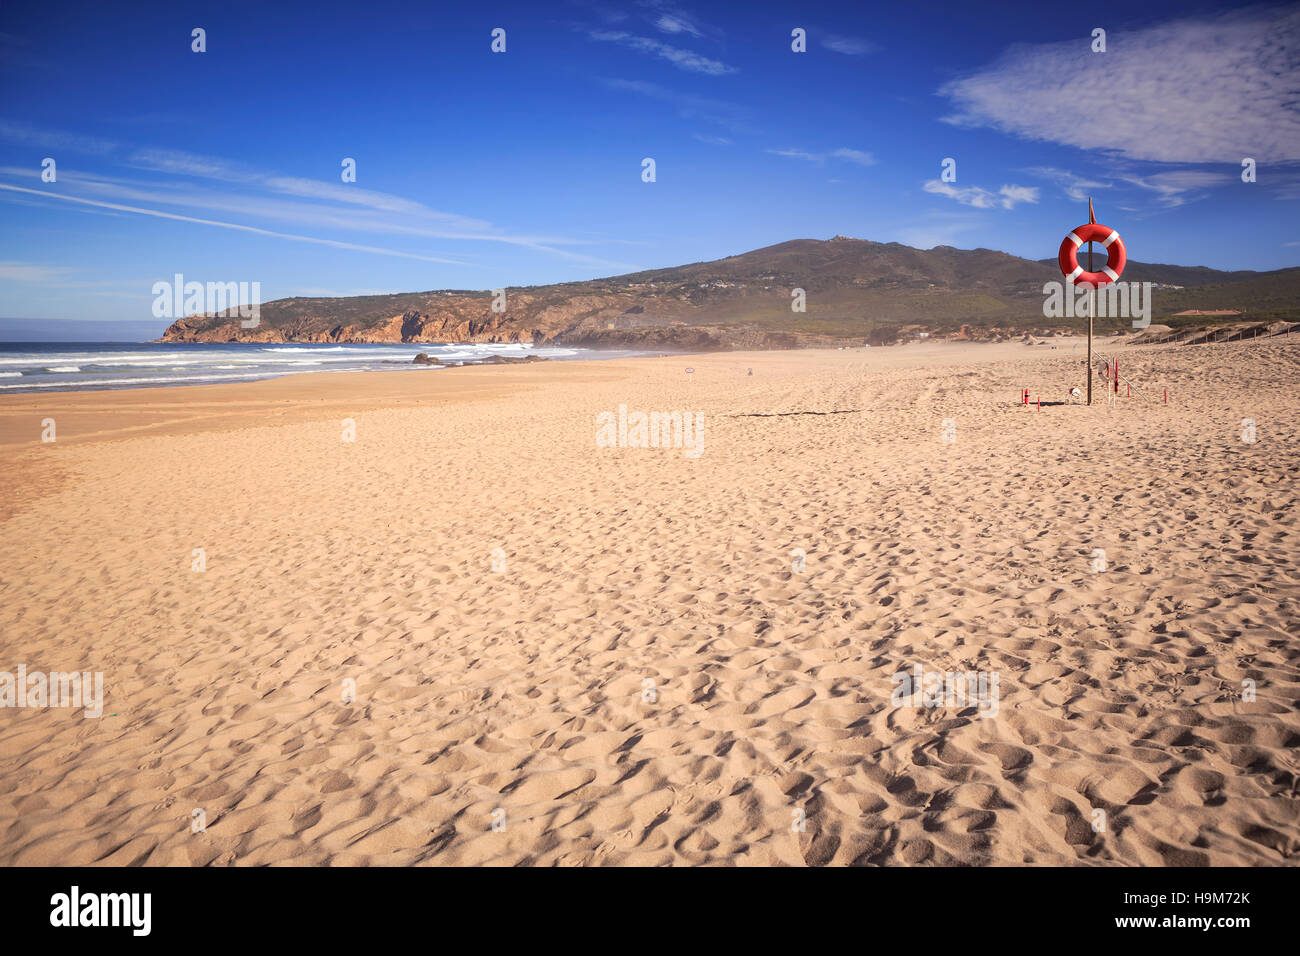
x: 142, y: 381
x: 290, y: 348
x: 187, y: 365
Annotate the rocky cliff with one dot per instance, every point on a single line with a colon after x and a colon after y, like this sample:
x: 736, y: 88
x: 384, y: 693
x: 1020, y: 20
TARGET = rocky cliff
x: 856, y: 290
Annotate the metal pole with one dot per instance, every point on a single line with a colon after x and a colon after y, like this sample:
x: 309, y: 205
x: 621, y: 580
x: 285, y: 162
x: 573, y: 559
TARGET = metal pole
x: 1092, y: 310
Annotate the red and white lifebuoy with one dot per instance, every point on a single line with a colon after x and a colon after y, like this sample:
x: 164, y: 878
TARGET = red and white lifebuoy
x: 1116, y: 256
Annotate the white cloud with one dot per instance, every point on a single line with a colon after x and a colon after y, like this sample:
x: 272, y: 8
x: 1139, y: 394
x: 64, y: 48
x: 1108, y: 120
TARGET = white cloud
x: 849, y: 46
x: 676, y: 23
x: 856, y: 156
x: 353, y: 195
x: 1075, y: 187
x: 178, y: 163
x: 256, y: 194
x: 228, y: 225
x: 326, y: 204
x: 1011, y: 195
x: 381, y: 213
x: 1196, y: 90
x: 1008, y: 197
x: 28, y: 272
x: 1170, y: 187
x: 713, y: 140
x: 689, y: 106
x: 682, y: 59
x: 55, y: 139
x: 797, y: 154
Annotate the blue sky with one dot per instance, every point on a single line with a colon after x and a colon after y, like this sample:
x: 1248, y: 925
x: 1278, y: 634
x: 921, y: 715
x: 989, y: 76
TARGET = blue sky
x: 478, y: 169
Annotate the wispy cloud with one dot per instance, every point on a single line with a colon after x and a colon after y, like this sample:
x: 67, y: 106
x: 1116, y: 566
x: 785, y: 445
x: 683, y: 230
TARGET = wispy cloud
x: 688, y: 106
x: 713, y: 140
x: 856, y: 156
x: 1177, y: 187
x: 797, y: 154
x: 675, y: 23
x: 379, y: 201
x: 849, y: 46
x: 681, y: 58
x: 1196, y: 90
x: 298, y: 202
x: 178, y: 163
x: 1008, y: 197
x: 30, y: 272
x: 1075, y: 187
x: 28, y: 135
x: 229, y: 225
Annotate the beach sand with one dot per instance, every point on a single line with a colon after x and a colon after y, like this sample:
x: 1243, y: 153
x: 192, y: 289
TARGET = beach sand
x: 676, y: 660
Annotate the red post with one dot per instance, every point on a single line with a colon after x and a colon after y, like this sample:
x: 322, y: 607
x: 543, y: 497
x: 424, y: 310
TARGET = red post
x: 1130, y: 390
x: 1166, y: 396
x: 1040, y: 403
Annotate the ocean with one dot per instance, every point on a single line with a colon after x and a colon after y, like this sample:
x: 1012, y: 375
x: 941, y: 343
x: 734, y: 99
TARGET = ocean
x: 55, y: 366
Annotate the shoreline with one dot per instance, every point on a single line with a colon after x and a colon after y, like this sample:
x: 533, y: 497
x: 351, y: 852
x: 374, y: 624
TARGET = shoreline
x: 59, y: 367
x: 116, y: 413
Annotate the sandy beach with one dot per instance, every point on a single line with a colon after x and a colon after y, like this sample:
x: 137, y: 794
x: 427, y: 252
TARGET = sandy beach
x: 473, y: 635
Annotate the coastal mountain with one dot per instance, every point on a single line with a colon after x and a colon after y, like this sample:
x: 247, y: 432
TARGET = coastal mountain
x: 855, y: 290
